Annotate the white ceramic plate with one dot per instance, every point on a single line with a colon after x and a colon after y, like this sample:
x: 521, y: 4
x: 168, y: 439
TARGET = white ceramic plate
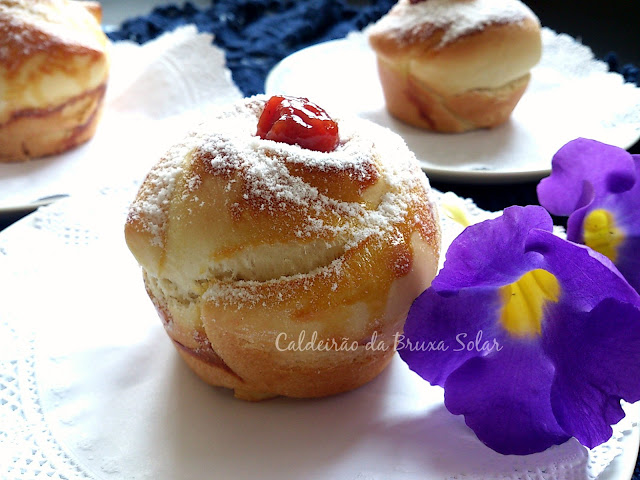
x: 570, y: 95
x: 91, y: 387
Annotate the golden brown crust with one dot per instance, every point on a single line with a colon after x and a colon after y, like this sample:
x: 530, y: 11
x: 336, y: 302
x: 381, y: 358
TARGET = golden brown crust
x: 94, y: 8
x: 53, y: 73
x: 269, y: 367
x: 418, y: 105
x: 364, y: 306
x: 218, y: 377
x: 33, y: 133
x: 248, y: 245
x: 194, y: 347
x: 58, y: 28
x: 471, y: 81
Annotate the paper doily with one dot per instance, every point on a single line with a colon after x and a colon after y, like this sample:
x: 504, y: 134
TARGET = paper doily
x: 91, y: 388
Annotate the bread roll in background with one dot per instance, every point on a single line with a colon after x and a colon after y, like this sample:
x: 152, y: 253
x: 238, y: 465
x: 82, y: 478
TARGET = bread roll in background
x: 54, y: 67
x: 455, y: 65
x: 248, y: 246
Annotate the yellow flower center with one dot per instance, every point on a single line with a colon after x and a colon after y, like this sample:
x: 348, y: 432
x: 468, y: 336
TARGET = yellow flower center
x: 601, y: 233
x: 524, y: 302
x: 456, y: 213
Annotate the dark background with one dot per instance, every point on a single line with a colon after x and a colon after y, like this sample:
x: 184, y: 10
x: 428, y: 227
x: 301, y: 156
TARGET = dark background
x: 604, y: 25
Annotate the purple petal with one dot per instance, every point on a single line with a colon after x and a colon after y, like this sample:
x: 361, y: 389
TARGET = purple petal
x: 584, y: 170
x: 437, y: 329
x: 505, y: 399
x: 628, y: 261
x: 586, y: 277
x: 575, y: 223
x: 492, y: 253
x: 597, y: 359
x: 625, y: 206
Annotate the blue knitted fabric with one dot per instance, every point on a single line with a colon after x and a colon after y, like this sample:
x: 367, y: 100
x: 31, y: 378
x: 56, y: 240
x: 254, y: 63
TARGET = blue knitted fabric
x: 629, y: 71
x: 257, y: 34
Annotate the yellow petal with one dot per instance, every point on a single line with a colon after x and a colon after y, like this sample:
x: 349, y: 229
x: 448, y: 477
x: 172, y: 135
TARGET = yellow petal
x: 601, y: 234
x: 524, y: 302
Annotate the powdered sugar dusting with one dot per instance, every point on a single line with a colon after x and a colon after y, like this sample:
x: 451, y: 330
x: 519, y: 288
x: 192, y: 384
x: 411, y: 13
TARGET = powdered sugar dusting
x: 35, y: 26
x: 456, y: 17
x: 263, y: 164
x: 233, y: 146
x: 150, y: 208
x: 287, y: 181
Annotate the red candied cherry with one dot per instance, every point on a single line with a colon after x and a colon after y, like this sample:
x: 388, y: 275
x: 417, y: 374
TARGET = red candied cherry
x: 297, y: 121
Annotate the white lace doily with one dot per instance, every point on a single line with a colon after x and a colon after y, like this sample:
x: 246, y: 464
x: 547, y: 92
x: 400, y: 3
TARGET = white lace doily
x: 91, y: 388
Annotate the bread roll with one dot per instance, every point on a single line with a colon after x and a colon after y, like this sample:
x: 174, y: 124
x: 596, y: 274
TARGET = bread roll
x: 455, y: 65
x: 53, y: 75
x: 249, y: 246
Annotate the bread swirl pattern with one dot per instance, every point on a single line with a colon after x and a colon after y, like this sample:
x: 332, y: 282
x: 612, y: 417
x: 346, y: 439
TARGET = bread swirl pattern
x: 246, y: 242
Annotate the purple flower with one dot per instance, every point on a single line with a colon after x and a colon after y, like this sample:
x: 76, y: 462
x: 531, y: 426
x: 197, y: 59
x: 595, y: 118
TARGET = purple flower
x: 598, y: 187
x: 537, y: 338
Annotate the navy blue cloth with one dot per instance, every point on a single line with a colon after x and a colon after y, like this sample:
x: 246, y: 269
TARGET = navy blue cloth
x: 257, y: 34
x: 629, y: 71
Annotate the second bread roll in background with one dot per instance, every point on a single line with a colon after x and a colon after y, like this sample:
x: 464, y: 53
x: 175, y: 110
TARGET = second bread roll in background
x: 252, y: 248
x: 455, y: 65
x: 54, y: 66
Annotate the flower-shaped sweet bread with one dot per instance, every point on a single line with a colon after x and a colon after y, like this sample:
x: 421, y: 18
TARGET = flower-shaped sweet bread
x: 274, y: 265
